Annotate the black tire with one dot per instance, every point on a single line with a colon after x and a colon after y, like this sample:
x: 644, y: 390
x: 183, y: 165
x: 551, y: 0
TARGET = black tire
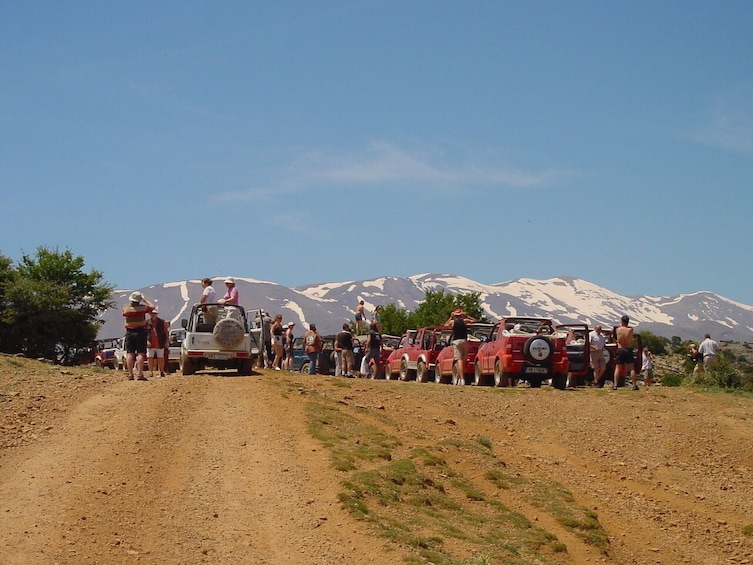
x: 305, y: 367
x: 422, y: 372
x: 404, y: 373
x: 245, y: 367
x: 187, y: 366
x: 500, y: 377
x: 538, y: 349
x: 438, y: 378
x: 559, y: 381
x: 535, y: 382
x: 477, y: 371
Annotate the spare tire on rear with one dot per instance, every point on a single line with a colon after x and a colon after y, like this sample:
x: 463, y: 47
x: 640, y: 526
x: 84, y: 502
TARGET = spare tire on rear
x: 537, y: 349
x: 228, y: 333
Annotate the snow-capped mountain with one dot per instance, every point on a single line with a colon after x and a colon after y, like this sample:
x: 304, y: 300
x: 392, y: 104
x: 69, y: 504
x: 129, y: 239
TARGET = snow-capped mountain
x: 565, y: 299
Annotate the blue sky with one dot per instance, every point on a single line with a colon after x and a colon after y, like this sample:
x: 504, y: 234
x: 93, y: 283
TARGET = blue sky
x: 308, y: 142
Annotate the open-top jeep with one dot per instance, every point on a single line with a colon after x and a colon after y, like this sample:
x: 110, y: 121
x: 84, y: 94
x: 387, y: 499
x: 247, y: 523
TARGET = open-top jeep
x: 529, y: 349
x: 218, y: 336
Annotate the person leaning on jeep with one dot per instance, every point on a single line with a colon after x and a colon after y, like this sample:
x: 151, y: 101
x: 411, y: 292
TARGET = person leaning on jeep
x: 136, y: 336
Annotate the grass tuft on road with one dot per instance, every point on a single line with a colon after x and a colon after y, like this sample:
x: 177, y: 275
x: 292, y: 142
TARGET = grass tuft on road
x: 414, y: 497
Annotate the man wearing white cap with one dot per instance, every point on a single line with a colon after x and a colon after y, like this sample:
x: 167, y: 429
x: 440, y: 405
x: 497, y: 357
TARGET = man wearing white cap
x: 136, y: 335
x: 231, y: 296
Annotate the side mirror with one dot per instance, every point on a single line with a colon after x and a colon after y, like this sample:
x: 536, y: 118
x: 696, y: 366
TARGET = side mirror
x: 184, y: 323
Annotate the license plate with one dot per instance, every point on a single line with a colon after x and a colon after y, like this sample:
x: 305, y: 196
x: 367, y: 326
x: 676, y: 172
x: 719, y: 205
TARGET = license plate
x: 217, y: 356
x: 537, y: 370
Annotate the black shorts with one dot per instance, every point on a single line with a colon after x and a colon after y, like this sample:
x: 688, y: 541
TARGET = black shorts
x: 135, y: 341
x: 625, y: 356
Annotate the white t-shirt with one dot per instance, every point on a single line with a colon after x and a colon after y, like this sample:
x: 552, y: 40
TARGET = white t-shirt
x: 596, y: 340
x: 211, y: 295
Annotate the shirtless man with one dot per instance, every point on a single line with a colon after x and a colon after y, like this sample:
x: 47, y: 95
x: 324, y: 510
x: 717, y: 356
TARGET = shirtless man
x: 625, y: 354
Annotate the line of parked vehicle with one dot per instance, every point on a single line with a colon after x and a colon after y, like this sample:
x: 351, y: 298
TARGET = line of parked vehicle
x: 514, y: 349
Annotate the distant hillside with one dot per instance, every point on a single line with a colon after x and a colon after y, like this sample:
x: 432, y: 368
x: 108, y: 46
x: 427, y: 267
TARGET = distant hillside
x: 565, y: 299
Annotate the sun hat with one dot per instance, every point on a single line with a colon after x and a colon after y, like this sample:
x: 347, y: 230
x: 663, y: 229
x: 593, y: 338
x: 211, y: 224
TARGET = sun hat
x: 457, y: 312
x: 229, y: 281
x: 136, y: 297
x: 155, y: 311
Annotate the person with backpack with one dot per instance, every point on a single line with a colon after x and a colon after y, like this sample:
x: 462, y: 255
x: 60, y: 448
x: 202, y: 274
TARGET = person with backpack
x: 312, y: 343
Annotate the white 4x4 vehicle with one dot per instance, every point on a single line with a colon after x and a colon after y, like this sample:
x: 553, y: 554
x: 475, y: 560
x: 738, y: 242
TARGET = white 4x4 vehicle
x: 217, y: 336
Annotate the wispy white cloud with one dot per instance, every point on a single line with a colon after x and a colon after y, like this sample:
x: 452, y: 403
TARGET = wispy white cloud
x: 383, y: 163
x: 730, y: 124
x: 389, y: 166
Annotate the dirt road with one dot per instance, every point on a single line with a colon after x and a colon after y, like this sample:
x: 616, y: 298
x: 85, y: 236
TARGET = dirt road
x: 220, y: 469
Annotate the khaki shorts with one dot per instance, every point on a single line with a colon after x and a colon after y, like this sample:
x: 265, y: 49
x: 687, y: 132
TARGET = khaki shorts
x: 348, y: 358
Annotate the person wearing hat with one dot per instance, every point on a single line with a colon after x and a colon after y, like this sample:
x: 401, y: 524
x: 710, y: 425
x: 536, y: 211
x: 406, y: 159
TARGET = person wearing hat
x: 157, y: 331
x: 135, y: 314
x: 289, y: 341
x: 231, y: 296
x: 625, y: 358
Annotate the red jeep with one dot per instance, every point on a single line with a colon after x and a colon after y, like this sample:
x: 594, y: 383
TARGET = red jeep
x: 447, y: 369
x: 520, y: 348
x: 416, y: 354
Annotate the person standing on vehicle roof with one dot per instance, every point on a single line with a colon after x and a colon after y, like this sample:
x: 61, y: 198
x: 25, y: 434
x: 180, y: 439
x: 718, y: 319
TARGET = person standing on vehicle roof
x: 360, y: 316
x: 208, y: 296
x: 231, y: 296
x: 135, y: 339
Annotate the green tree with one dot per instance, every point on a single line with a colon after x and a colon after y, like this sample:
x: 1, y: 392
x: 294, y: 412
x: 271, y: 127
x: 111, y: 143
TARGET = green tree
x: 434, y: 310
x: 394, y: 320
x: 655, y: 343
x: 52, y: 305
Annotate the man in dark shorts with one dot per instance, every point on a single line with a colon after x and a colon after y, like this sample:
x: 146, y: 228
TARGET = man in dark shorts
x: 625, y: 356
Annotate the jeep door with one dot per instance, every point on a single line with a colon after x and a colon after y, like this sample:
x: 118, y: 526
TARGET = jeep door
x: 578, y: 349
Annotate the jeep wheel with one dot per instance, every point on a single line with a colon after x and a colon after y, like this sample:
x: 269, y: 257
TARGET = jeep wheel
x: 535, y: 381
x: 404, y: 370
x: 228, y: 333
x: 187, y: 366
x: 245, y: 367
x: 500, y: 377
x: 422, y: 373
x: 478, y: 375
x: 439, y: 378
x: 559, y: 381
x: 537, y: 349
x: 305, y: 367
x: 457, y: 375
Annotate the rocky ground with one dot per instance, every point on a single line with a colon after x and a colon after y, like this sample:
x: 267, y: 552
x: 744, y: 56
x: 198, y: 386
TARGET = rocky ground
x: 215, y: 468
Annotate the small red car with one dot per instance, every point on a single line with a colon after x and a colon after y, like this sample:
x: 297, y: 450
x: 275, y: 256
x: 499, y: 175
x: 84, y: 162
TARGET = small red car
x: 416, y: 354
x: 522, y: 348
x: 446, y: 369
